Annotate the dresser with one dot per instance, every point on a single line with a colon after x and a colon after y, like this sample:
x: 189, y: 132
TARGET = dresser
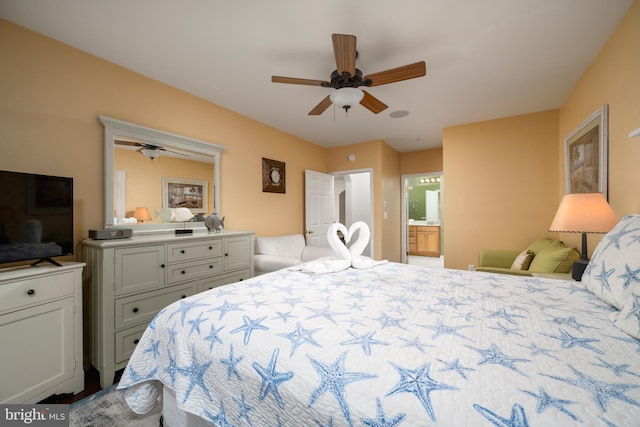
x: 129, y: 280
x: 40, y: 332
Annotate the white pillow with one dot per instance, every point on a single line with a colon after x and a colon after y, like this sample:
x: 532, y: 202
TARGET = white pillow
x: 614, y: 270
x: 628, y: 320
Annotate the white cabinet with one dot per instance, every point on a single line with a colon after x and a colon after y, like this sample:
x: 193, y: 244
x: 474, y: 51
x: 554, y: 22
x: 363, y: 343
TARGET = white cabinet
x: 40, y: 332
x: 131, y: 280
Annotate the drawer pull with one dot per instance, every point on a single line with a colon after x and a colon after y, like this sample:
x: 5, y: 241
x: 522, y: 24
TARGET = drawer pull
x: 211, y: 266
x: 161, y: 265
x: 184, y: 296
x: 135, y: 309
x: 182, y: 251
x: 183, y: 272
x: 226, y: 254
x: 136, y: 341
x: 31, y: 292
x: 210, y: 248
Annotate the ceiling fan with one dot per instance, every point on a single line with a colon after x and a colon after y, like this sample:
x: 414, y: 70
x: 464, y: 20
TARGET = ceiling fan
x: 149, y: 150
x: 347, y: 78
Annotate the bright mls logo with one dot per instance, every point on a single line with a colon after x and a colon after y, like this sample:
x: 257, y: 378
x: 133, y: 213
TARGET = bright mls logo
x: 34, y: 415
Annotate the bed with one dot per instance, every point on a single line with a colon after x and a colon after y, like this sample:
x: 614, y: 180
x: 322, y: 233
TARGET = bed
x: 389, y: 344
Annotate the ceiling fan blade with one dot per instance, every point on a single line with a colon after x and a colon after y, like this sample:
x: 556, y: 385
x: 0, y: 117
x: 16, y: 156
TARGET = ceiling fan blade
x: 174, y: 152
x: 344, y: 48
x: 393, y: 75
x: 129, y: 143
x: 319, y: 109
x: 372, y: 103
x: 296, y: 81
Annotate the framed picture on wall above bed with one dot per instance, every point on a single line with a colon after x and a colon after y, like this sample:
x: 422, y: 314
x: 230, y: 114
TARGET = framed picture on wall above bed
x: 185, y: 193
x: 585, y: 153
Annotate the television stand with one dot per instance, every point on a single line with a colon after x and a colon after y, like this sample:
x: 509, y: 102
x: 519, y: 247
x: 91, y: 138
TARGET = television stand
x: 47, y: 259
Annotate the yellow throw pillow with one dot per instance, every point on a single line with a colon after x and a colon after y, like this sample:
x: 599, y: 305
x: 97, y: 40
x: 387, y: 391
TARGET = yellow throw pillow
x: 522, y: 261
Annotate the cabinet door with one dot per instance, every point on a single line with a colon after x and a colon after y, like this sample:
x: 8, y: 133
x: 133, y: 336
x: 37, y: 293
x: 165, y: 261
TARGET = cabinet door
x: 139, y: 268
x: 237, y: 252
x: 37, y: 350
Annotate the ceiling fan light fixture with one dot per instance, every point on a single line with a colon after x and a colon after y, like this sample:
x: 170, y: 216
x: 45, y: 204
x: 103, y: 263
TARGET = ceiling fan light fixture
x: 346, y: 97
x: 151, y: 153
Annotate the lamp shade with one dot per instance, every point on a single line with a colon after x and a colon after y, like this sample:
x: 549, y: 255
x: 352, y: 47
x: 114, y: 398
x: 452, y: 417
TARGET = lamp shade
x: 151, y: 153
x: 346, y: 97
x: 583, y: 213
x: 142, y: 214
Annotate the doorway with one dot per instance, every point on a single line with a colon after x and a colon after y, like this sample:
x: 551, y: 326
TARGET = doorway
x: 422, y: 219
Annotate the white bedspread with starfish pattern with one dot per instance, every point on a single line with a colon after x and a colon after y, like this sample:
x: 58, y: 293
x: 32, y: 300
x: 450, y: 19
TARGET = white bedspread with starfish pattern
x: 394, y: 345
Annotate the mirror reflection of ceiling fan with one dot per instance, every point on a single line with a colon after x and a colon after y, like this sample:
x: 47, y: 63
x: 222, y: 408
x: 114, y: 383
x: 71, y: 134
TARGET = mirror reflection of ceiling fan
x: 149, y: 150
x: 347, y: 79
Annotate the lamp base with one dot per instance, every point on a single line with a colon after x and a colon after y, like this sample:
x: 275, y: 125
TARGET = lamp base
x: 578, y: 269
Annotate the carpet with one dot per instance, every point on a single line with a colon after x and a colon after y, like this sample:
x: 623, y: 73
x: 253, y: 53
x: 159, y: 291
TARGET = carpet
x: 108, y: 408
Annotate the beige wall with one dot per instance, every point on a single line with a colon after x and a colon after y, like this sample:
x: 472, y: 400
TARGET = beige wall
x: 421, y: 161
x: 500, y: 177
x: 52, y: 94
x: 613, y: 78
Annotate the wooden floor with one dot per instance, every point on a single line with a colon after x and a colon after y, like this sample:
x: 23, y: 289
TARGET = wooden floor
x: 91, y: 386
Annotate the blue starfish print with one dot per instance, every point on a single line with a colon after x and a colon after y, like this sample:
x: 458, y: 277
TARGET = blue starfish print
x: 567, y: 341
x: 213, y: 336
x: 545, y: 401
x: 334, y: 379
x: 171, y: 368
x: 505, y: 330
x: 366, y: 341
x: 172, y: 335
x: 226, y: 307
x: 535, y: 350
x: 570, y: 322
x: 184, y: 308
x: 153, y: 349
x: 614, y: 238
x: 387, y: 321
x: 518, y: 416
x: 618, y: 370
x: 324, y: 312
x: 195, y: 374
x: 195, y: 324
x: 284, y: 316
x: 355, y: 306
x: 136, y: 378
x: 502, y: 313
x: 300, y: 336
x: 602, y: 392
x: 532, y: 289
x: 272, y: 379
x: 449, y: 302
x: 442, y: 329
x: 415, y: 342
x: 231, y: 363
x: 419, y: 383
x: 243, y: 408
x: 493, y: 355
x: 635, y: 308
x: 630, y: 276
x: 604, y: 275
x: 381, y: 419
x: 219, y: 419
x: 249, y: 326
x: 455, y: 366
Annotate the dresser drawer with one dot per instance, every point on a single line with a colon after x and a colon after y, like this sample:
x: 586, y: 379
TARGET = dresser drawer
x: 193, y: 270
x: 189, y: 251
x: 126, y: 342
x: 135, y: 309
x: 37, y: 290
x: 213, y: 282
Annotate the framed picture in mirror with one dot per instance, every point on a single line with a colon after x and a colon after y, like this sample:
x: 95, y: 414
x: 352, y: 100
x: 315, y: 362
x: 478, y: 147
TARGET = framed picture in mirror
x: 185, y: 193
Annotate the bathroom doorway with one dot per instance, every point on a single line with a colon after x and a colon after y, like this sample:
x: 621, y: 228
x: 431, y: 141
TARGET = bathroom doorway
x: 422, y: 219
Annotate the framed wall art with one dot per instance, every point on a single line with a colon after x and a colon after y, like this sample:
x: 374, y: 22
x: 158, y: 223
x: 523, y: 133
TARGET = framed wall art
x: 273, y: 176
x: 185, y: 193
x: 585, y: 153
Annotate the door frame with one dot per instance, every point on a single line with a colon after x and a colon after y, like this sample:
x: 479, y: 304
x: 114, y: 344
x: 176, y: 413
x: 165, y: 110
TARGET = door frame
x: 405, y: 213
x: 371, y: 225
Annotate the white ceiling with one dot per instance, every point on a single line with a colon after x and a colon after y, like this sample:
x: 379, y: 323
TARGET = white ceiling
x: 485, y: 58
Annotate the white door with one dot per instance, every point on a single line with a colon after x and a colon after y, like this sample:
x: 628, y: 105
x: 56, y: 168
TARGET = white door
x: 319, y: 207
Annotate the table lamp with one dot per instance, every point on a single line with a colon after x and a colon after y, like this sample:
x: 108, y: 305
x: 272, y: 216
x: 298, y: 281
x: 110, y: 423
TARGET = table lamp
x: 583, y: 213
x: 142, y: 214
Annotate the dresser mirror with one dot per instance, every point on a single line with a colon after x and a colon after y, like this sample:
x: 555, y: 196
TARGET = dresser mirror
x: 159, y: 171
